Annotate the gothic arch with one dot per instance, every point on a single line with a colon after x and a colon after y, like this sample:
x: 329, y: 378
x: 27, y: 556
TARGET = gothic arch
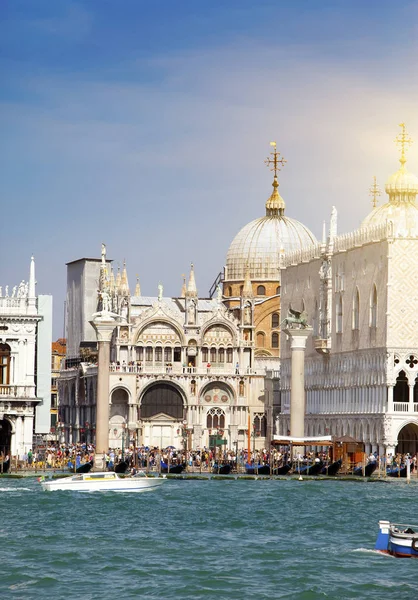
x: 159, y: 319
x: 162, y: 397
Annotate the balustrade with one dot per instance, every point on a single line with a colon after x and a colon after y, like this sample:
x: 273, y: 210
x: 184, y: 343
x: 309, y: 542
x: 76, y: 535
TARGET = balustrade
x: 17, y: 391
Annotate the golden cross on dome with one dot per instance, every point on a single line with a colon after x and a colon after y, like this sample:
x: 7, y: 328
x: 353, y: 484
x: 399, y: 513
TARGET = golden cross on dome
x: 275, y: 161
x: 403, y: 140
x: 374, y: 192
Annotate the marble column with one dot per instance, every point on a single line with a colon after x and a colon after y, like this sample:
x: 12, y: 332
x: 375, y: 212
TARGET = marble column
x: 298, y: 339
x: 104, y: 324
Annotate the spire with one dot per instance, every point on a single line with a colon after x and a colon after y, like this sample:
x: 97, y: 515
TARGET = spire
x: 191, y: 288
x: 247, y: 290
x: 32, y: 282
x: 183, y: 287
x: 137, y: 287
x: 275, y: 204
x: 124, y: 285
x: 374, y: 192
x: 118, y: 280
x: 403, y: 141
x: 112, y: 280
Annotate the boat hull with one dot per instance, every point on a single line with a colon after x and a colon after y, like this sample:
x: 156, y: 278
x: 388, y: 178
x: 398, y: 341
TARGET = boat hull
x: 398, y: 540
x: 104, y: 484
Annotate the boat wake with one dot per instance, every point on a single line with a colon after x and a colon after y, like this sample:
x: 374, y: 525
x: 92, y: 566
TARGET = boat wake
x: 371, y: 551
x: 12, y: 489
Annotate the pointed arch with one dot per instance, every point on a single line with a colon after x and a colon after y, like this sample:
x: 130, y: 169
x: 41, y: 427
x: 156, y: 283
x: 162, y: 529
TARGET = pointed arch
x: 356, y: 310
x: 339, y: 314
x: 373, y: 306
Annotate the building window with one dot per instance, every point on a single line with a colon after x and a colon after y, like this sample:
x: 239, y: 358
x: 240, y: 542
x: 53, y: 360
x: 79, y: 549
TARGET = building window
x: 139, y: 353
x: 260, y: 425
x: 54, y: 403
x: 221, y: 355
x: 229, y: 355
x: 278, y: 290
x: 260, y: 339
x: 275, y: 320
x: 339, y: 314
x: 241, y: 290
x: 229, y: 291
x: 177, y: 355
x: 148, y: 354
x: 168, y: 354
x: 213, y: 355
x: 158, y: 354
x: 275, y: 340
x: 261, y: 290
x: 204, y: 355
x: 5, y: 364
x: 215, y: 419
x: 356, y: 310
x: 373, y: 307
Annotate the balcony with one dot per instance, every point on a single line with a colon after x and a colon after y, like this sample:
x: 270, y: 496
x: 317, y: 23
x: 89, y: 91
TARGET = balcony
x: 175, y: 369
x: 405, y: 407
x: 321, y: 345
x: 17, y: 392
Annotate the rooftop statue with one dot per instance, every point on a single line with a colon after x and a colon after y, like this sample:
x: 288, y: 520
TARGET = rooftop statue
x: 296, y: 319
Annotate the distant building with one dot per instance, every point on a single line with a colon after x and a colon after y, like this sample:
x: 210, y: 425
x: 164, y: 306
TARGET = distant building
x: 25, y: 366
x: 57, y: 356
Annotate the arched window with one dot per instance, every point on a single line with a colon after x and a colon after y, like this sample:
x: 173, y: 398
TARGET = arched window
x: 261, y: 290
x: 148, y: 354
x: 221, y: 355
x: 275, y: 340
x: 168, y: 355
x: 260, y: 339
x: 339, y: 314
x: 229, y: 355
x: 274, y: 320
x: 373, y: 307
x: 401, y: 389
x: 213, y: 355
x: 215, y: 419
x: 4, y: 364
x: 158, y: 354
x: 356, y: 310
x: 278, y: 290
x: 204, y: 355
x: 260, y: 425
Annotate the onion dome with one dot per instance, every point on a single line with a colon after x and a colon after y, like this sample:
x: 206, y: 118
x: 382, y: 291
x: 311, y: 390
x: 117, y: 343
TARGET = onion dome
x: 402, y: 189
x: 256, y: 249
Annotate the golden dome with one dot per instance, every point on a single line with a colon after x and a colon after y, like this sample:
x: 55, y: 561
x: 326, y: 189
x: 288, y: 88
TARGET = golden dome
x: 402, y: 189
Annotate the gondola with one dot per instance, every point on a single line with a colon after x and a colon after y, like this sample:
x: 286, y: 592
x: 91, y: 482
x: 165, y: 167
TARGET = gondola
x: 399, y: 471
x: 257, y: 469
x: 368, y: 470
x: 121, y: 467
x: 283, y: 470
x: 5, y: 466
x: 332, y: 469
x: 313, y: 469
x: 85, y: 468
x: 221, y: 469
x: 174, y: 469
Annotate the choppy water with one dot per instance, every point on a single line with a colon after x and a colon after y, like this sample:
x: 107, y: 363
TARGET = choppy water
x: 205, y: 539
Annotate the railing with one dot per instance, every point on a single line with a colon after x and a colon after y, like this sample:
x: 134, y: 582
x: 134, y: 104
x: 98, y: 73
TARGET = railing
x: 179, y: 370
x: 404, y: 407
x: 17, y: 391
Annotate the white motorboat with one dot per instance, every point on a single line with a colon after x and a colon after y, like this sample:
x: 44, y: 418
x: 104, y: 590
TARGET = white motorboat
x: 103, y: 482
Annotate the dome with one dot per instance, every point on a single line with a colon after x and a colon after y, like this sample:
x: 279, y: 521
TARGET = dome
x: 259, y: 245
x: 403, y: 215
x: 402, y: 183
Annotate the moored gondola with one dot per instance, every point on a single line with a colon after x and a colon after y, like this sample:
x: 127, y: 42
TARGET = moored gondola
x: 85, y: 468
x: 174, y: 469
x: 369, y: 469
x: 401, y: 471
x: 314, y: 469
x: 257, y: 469
x: 221, y: 469
x: 121, y: 467
x: 283, y: 470
x: 332, y: 469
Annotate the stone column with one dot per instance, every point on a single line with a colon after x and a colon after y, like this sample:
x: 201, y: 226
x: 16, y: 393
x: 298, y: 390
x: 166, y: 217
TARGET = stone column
x: 297, y: 386
x: 104, y: 325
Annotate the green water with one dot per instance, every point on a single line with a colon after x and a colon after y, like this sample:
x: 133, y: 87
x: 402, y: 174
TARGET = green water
x: 205, y: 539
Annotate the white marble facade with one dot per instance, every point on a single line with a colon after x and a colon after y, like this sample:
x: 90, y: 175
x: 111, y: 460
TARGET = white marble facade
x: 19, y: 322
x: 360, y: 291
x: 181, y: 369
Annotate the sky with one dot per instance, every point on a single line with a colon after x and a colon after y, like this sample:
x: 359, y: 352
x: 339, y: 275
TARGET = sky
x: 145, y: 125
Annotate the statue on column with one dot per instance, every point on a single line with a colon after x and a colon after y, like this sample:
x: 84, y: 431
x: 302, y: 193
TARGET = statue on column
x: 296, y: 319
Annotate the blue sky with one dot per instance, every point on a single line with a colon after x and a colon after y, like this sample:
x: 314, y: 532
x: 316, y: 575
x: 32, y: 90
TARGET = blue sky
x: 145, y: 125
